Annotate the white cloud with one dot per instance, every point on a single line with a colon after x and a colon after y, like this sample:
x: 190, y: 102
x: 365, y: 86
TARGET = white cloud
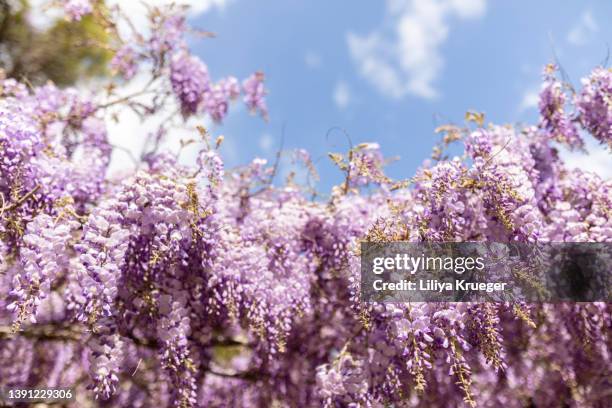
x: 597, y: 161
x: 530, y: 100
x: 370, y: 54
x: 312, y: 59
x: 469, y: 8
x: 404, y: 56
x: 342, y: 95
x: 583, y: 29
x: 202, y: 6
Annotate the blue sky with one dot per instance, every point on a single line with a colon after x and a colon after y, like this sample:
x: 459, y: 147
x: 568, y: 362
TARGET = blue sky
x: 392, y: 71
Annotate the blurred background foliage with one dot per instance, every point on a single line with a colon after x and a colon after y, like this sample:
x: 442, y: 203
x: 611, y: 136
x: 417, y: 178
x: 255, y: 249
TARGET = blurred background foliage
x: 62, y: 52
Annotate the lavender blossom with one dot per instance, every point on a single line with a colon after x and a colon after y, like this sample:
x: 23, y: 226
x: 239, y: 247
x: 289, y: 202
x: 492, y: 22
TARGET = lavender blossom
x: 124, y: 62
x: 76, y: 9
x: 255, y: 93
x: 190, y: 82
x: 176, y: 284
x: 594, y: 105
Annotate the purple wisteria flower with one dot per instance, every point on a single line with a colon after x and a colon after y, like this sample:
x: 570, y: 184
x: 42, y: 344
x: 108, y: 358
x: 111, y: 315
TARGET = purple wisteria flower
x: 255, y: 93
x: 190, y: 81
x: 185, y: 284
x: 76, y: 9
x: 595, y: 105
x: 125, y: 62
x: 554, y: 120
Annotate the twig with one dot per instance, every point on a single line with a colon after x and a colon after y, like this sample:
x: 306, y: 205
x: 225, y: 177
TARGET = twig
x: 137, y: 366
x: 126, y: 151
x: 279, y: 153
x: 496, y: 153
x: 17, y: 203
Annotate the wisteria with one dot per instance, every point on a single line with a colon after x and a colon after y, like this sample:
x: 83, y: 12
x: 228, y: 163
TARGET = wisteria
x: 198, y: 285
x: 190, y: 81
x: 593, y: 103
x: 76, y: 9
x: 255, y: 93
x: 125, y: 62
x: 556, y: 122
